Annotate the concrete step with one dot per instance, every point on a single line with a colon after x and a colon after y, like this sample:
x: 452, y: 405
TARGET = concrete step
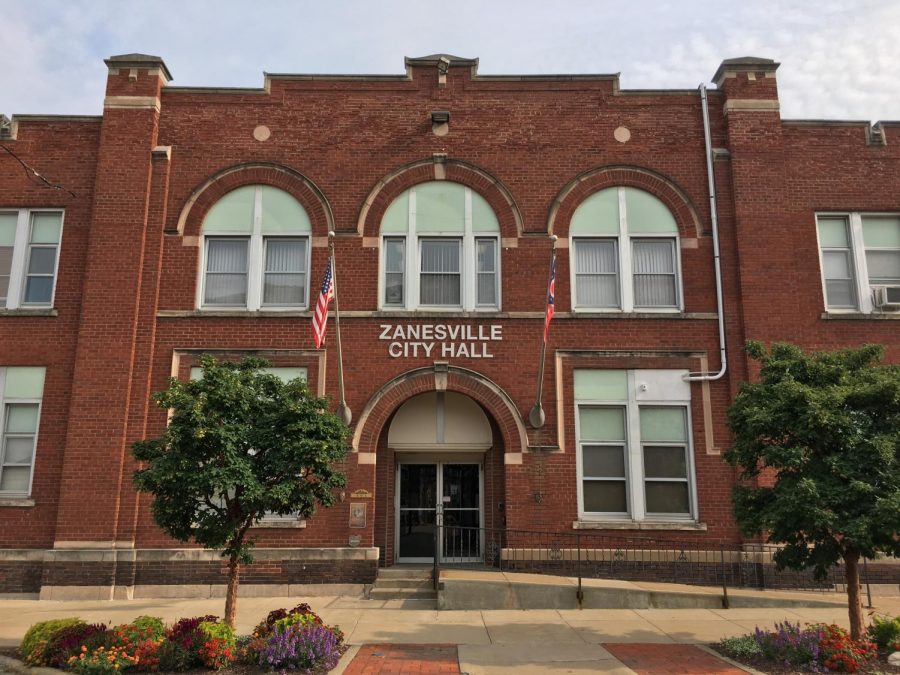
x: 403, y: 594
x: 398, y: 572
x: 404, y: 583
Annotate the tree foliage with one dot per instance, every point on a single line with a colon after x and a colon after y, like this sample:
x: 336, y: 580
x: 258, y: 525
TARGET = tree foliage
x: 817, y: 440
x: 240, y: 443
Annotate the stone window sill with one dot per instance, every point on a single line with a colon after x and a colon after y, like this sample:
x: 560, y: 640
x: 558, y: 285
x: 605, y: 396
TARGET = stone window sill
x: 280, y: 523
x: 22, y: 311
x: 855, y: 316
x: 17, y: 502
x: 638, y: 525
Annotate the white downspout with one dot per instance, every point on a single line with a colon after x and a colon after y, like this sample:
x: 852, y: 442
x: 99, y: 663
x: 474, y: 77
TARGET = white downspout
x: 720, y: 310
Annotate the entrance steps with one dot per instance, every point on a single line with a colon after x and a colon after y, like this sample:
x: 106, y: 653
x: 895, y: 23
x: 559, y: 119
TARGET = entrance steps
x: 404, y: 582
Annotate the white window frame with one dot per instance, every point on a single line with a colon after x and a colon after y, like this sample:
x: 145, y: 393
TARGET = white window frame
x: 634, y: 456
x: 864, y: 294
x: 256, y: 265
x: 4, y: 402
x: 15, y: 293
x: 468, y: 265
x: 625, y: 276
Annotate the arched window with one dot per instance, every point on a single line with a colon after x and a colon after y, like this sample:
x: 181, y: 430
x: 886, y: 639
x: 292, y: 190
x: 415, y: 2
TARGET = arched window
x: 440, y: 249
x: 624, y: 253
x: 255, y: 251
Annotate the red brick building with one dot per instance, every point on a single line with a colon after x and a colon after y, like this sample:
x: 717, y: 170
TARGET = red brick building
x: 196, y: 220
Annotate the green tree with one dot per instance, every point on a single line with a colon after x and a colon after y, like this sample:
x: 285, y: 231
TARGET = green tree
x: 240, y: 443
x: 817, y: 440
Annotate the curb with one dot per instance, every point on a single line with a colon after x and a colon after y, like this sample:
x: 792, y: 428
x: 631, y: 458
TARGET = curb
x: 722, y: 657
x: 16, y: 666
x: 345, y: 660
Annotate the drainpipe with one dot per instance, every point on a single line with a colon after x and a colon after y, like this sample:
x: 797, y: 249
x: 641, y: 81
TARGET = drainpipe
x: 714, y: 219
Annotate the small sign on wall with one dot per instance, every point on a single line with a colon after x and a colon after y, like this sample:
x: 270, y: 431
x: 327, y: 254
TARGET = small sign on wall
x: 361, y: 494
x: 357, y: 514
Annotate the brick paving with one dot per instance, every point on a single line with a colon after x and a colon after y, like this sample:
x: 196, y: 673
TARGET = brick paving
x: 664, y: 659
x: 403, y: 659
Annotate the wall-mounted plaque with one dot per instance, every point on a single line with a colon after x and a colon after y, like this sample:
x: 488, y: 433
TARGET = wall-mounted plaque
x: 361, y: 494
x: 358, y: 514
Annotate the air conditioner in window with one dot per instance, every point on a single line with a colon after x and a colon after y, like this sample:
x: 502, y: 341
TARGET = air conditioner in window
x: 887, y: 298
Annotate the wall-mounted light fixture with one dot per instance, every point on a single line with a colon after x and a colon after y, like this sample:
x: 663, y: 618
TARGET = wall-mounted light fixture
x: 443, y: 67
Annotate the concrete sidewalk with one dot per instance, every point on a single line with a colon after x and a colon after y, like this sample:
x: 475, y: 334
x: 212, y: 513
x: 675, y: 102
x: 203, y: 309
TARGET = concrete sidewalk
x: 490, y: 641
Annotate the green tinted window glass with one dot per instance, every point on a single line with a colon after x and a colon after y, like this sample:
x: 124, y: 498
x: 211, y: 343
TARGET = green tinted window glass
x: 440, y: 207
x: 8, y: 229
x: 282, y: 213
x: 598, y: 214
x: 21, y: 418
x: 881, y: 231
x: 285, y: 374
x: 663, y: 424
x: 232, y: 213
x: 601, y: 385
x: 396, y: 218
x: 45, y: 228
x: 483, y: 217
x: 601, y: 424
x: 645, y: 213
x: 24, y: 382
x: 833, y: 233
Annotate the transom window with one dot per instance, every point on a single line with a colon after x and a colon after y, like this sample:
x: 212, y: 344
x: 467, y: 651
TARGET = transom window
x: 29, y: 252
x: 440, y: 250
x: 21, y: 390
x: 634, y: 450
x: 624, y: 253
x: 860, y: 259
x: 256, y: 251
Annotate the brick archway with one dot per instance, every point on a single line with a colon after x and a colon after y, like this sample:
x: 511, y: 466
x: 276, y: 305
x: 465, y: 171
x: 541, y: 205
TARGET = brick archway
x: 440, y: 377
x: 585, y: 184
x: 440, y: 168
x: 293, y: 182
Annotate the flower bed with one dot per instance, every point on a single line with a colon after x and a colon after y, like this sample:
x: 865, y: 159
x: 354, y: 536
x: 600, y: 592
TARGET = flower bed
x: 816, y: 648
x: 287, y: 639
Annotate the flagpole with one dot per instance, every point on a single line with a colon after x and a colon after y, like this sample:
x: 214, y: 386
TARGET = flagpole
x: 537, y: 417
x: 343, y: 410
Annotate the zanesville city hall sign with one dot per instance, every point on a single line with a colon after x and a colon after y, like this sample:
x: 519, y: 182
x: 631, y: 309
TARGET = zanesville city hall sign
x: 440, y: 340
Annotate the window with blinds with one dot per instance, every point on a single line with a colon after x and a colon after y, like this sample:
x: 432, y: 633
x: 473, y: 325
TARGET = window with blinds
x: 29, y: 253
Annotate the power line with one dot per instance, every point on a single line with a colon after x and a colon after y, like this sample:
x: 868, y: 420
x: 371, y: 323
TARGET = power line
x: 29, y: 171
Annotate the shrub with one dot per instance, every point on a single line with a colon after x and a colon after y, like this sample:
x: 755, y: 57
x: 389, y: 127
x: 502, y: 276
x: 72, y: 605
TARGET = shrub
x: 153, y: 624
x: 187, y: 635
x: 885, y: 632
x: 172, y: 657
x: 69, y: 640
x: 264, y: 627
x: 296, y: 648
x: 216, y: 653
x: 101, y: 660
x: 301, y: 620
x: 213, y: 630
x: 789, y: 644
x: 39, y: 635
x: 743, y: 646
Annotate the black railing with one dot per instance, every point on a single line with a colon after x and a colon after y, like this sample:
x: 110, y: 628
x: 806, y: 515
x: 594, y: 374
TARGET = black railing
x: 604, y: 556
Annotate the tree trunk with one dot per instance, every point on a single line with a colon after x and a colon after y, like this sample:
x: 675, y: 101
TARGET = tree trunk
x: 854, y: 598
x: 234, y: 573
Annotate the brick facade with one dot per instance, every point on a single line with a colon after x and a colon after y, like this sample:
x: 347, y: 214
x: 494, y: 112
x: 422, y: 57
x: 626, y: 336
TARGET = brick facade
x: 146, y: 173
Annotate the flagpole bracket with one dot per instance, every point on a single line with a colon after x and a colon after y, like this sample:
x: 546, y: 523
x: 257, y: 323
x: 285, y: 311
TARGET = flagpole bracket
x: 537, y: 417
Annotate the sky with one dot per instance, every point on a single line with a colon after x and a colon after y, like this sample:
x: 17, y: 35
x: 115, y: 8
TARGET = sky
x: 839, y: 59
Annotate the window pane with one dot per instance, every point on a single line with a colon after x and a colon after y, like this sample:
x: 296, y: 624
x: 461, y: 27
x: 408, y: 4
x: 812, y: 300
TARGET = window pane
x: 5, y: 267
x: 601, y: 385
x: 439, y: 289
x: 38, y: 290
x: 654, y: 291
x: 884, y: 266
x: 440, y: 279
x: 840, y: 293
x: 833, y: 233
x: 663, y: 424
x: 667, y: 497
x: 653, y: 256
x: 487, y: 256
x: 45, y: 228
x: 393, y: 255
x: 285, y: 255
x: 595, y: 256
x: 15, y: 479
x: 393, y: 289
x: 440, y: 256
x: 605, y: 496
x: 836, y: 264
x: 596, y: 291
x: 226, y: 255
x: 596, y: 273
x: 662, y: 462
x: 284, y: 289
x: 394, y: 267
x: 41, y: 260
x: 601, y: 424
x: 226, y: 289
x: 487, y: 289
x: 232, y: 213
x: 8, y: 228
x: 603, y: 461
x: 280, y: 212
x: 654, y: 273
x: 646, y: 213
x: 19, y: 450
x: 881, y: 231
x: 21, y: 418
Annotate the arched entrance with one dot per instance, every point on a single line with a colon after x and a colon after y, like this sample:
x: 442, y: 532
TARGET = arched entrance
x: 439, y: 440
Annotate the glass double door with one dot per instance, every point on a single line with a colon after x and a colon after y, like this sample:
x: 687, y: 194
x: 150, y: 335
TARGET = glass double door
x: 447, y: 493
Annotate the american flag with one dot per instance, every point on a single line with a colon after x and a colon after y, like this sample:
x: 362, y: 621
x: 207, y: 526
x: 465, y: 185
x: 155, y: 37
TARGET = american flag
x: 551, y: 296
x: 320, y: 317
